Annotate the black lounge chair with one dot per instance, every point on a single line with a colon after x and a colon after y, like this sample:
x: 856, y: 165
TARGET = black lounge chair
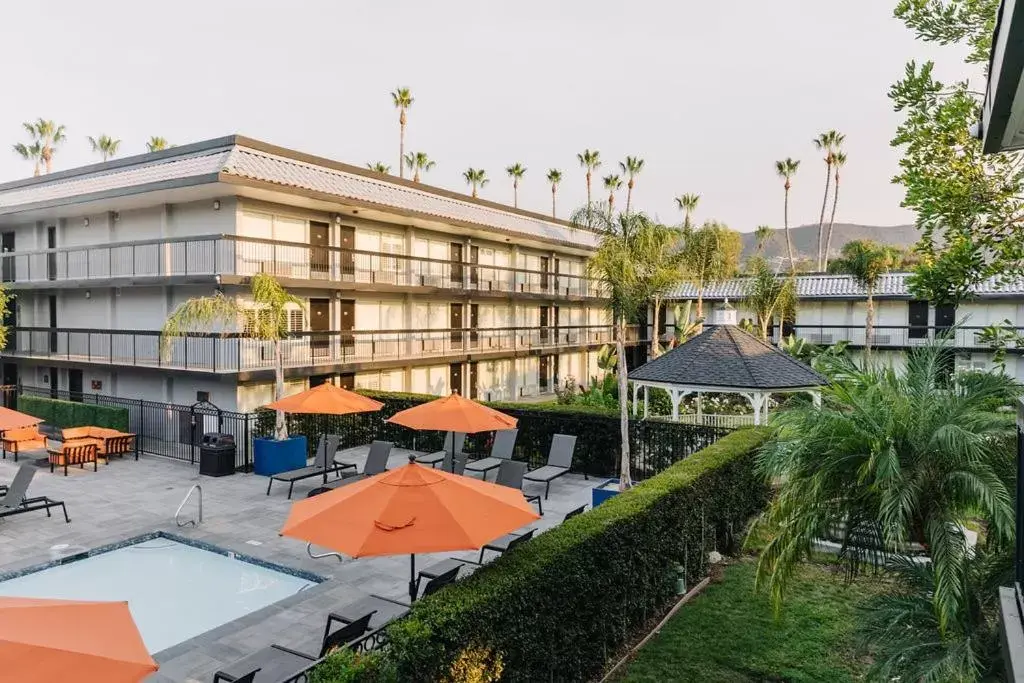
x: 436, y: 457
x: 509, y: 541
x: 510, y: 474
x: 501, y: 450
x: 376, y: 463
x: 456, y: 464
x: 16, y: 501
x: 382, y: 611
x: 323, y: 464
x: 277, y: 663
x: 559, y: 462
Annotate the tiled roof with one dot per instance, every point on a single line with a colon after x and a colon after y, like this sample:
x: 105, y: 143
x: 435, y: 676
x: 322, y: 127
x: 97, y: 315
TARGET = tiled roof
x: 725, y: 356
x: 841, y: 287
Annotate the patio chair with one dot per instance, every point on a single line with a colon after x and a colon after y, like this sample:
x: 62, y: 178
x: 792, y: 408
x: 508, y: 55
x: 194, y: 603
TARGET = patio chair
x: 16, y: 502
x: 436, y: 457
x: 323, y: 464
x: 559, y: 462
x: 376, y: 463
x: 510, y: 474
x: 501, y: 450
x: 455, y: 464
x: 508, y: 541
x: 276, y: 663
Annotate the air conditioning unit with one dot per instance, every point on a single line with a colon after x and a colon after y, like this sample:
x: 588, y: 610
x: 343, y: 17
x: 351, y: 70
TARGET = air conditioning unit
x: 882, y: 339
x: 117, y: 291
x: 819, y: 338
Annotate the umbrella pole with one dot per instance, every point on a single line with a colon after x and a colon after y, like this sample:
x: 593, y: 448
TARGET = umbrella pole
x: 323, y: 437
x: 412, y: 578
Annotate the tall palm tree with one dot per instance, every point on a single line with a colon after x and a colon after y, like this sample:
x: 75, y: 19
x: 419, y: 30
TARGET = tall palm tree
x: 157, y: 143
x: 867, y: 262
x: 32, y: 152
x: 632, y: 167
x: 786, y: 170
x: 612, y: 183
x: 516, y: 172
x: 554, y: 177
x: 402, y: 99
x: 49, y: 135
x: 416, y: 162
x: 687, y: 203
x: 829, y: 143
x: 104, y: 145
x: 763, y: 235
x: 379, y: 167
x: 590, y: 160
x: 264, y: 318
x: 475, y: 178
x: 838, y: 161
x: 710, y: 254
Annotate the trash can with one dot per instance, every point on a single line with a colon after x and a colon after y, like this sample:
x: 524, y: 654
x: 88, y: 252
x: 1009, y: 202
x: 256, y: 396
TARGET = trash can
x: 217, y: 454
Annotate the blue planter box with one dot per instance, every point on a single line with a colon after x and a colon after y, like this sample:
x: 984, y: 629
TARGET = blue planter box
x: 270, y: 456
x: 600, y: 494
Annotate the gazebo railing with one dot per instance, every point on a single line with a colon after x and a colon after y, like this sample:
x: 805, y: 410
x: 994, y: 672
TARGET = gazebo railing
x: 714, y: 420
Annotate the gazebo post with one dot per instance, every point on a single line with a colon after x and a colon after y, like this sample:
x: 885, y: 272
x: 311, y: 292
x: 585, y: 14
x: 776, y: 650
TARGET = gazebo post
x: 636, y: 406
x: 700, y: 408
x: 674, y: 394
x: 816, y: 398
x: 647, y: 398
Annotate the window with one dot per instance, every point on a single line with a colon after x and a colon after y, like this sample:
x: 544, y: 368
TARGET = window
x: 295, y: 319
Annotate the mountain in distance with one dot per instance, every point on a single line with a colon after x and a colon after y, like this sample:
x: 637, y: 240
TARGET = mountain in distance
x: 805, y: 239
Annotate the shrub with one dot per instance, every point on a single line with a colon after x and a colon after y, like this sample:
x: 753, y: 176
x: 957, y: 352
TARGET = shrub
x: 559, y: 606
x: 346, y: 666
x: 63, y: 414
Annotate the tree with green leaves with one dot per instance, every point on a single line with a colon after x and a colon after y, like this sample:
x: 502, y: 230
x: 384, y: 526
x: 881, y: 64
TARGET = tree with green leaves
x: 104, y: 145
x: 838, y: 161
x: 379, y: 167
x: 554, y: 177
x: 157, y: 144
x: 6, y: 303
x: 828, y: 142
x: 710, y: 254
x: 867, y: 262
x: 475, y: 178
x: 402, y: 99
x: 48, y: 135
x: 591, y: 161
x: 32, y: 152
x: 265, y: 318
x: 516, y: 172
x: 613, y: 184
x: 662, y: 263
x: 763, y: 236
x: 687, y: 203
x: 418, y: 162
x: 768, y: 294
x: 631, y: 168
x: 786, y: 169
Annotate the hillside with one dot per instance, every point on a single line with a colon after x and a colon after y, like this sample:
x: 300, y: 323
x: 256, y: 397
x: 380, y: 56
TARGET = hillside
x: 805, y: 238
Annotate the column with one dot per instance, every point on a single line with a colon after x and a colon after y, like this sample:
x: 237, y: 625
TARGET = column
x: 647, y: 396
x: 676, y: 395
x: 636, y: 404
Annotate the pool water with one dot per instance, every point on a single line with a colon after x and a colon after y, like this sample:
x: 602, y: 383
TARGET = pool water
x: 175, y: 591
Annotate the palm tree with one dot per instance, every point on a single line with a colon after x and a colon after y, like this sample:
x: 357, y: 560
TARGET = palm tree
x: 418, y: 161
x: 710, y: 254
x: 662, y: 264
x: 402, y: 99
x: 632, y: 167
x: 476, y: 178
x: 890, y: 459
x: 48, y: 135
x: 867, y: 262
x: 768, y: 295
x: 265, y: 319
x: 554, y: 177
x: 787, y: 169
x: 379, y: 167
x: 157, y: 143
x: 516, y: 172
x: 105, y: 145
x: 687, y: 203
x: 612, y: 183
x: 838, y: 161
x: 828, y: 142
x: 33, y: 153
x: 590, y: 160
x: 763, y: 235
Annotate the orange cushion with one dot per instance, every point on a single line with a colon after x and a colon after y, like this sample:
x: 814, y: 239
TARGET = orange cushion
x: 23, y: 434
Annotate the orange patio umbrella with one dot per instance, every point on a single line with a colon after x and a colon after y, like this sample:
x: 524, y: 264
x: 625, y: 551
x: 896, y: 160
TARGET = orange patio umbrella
x: 412, y: 509
x: 66, y: 640
x: 12, y: 419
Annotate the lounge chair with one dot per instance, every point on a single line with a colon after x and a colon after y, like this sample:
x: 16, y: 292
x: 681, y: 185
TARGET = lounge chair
x: 509, y: 541
x: 436, y: 457
x: 16, y: 502
x: 456, y: 464
x: 276, y: 663
x: 323, y: 464
x: 510, y: 474
x: 376, y: 463
x: 559, y: 462
x: 501, y: 450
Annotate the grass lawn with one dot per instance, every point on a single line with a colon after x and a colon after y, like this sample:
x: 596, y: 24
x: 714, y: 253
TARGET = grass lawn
x: 729, y: 633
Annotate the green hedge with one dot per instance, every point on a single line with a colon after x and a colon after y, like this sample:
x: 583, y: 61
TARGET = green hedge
x: 73, y: 414
x: 561, y: 605
x: 654, y: 444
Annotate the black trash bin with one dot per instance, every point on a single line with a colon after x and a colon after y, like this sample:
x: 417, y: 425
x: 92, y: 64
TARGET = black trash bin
x: 217, y: 454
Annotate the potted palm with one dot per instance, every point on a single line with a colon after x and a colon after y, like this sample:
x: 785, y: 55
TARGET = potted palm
x: 264, y: 318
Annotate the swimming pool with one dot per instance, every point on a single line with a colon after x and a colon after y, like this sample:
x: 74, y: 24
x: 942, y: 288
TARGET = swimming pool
x: 174, y: 589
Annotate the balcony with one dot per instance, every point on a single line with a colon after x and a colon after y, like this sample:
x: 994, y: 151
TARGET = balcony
x: 234, y: 353
x: 232, y: 258
x: 894, y: 337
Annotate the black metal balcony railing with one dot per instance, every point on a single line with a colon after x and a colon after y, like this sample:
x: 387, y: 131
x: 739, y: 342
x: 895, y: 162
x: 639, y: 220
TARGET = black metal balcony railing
x: 233, y: 352
x: 231, y: 255
x: 894, y: 336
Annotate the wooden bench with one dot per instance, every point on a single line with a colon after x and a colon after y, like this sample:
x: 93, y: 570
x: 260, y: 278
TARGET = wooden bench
x: 25, y: 439
x: 108, y: 442
x: 70, y: 454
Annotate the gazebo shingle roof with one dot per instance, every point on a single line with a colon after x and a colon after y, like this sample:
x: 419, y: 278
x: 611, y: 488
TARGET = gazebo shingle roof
x: 726, y: 357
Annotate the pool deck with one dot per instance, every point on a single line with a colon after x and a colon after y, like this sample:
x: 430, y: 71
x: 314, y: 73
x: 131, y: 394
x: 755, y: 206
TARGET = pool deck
x: 129, y: 498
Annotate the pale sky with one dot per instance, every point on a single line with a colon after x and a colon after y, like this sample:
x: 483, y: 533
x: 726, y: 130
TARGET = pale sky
x: 709, y: 94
